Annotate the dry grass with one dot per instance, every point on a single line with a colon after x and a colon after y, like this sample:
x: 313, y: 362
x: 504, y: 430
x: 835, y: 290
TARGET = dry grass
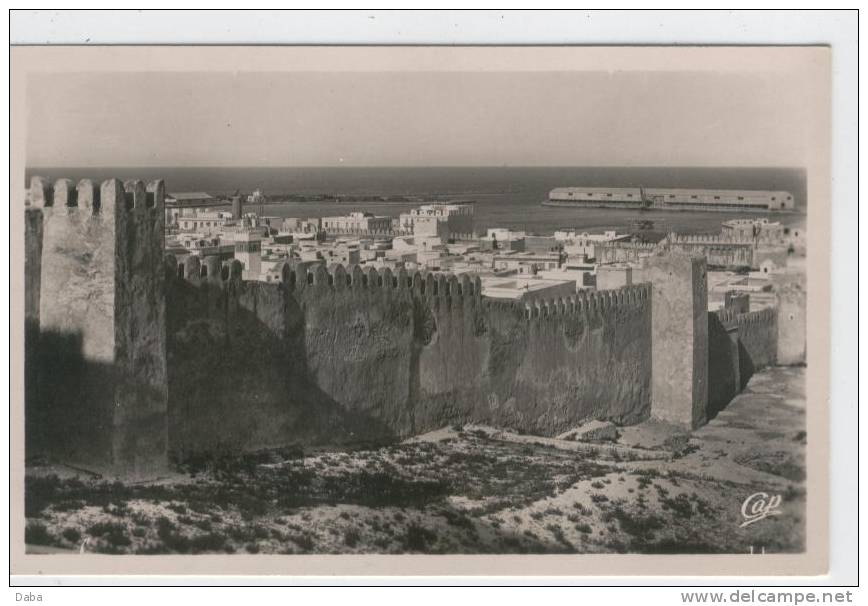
x: 463, y: 492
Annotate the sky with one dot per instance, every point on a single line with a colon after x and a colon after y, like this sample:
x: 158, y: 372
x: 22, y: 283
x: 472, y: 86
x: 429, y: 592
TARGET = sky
x: 417, y: 119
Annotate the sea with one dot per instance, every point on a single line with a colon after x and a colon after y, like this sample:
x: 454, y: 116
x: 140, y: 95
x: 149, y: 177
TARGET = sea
x: 504, y: 196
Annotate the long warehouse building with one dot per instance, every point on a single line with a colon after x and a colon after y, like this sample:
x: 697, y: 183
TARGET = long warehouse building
x: 672, y: 199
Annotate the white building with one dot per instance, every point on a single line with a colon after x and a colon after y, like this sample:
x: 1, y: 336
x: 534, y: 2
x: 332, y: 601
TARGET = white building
x: 357, y: 222
x: 580, y: 245
x: 674, y: 198
x: 524, y: 288
x: 526, y: 263
x: 583, y: 274
x: 201, y: 220
x: 248, y: 247
x: 448, y: 221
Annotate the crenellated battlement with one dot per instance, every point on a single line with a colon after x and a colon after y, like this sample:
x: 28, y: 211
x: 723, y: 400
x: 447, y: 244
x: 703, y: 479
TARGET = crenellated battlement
x: 326, y: 281
x: 727, y: 317
x: 352, y: 350
x: 103, y: 288
x: 588, y: 302
x: 732, y: 318
x: 209, y: 270
x: 613, y: 252
x: 753, y: 318
x: 132, y: 198
x: 628, y: 245
x: 336, y: 278
x: 715, y: 239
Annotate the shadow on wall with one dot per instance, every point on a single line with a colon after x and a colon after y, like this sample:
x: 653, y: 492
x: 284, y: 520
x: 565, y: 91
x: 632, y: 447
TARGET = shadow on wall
x: 238, y: 377
x: 67, y: 411
x: 71, y: 410
x: 746, y: 366
x: 330, y: 357
x: 730, y: 365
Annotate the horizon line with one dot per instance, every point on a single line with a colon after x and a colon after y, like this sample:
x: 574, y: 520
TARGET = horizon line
x: 474, y: 166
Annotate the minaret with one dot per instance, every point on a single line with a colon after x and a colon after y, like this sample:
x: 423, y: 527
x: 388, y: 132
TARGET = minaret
x: 248, y: 248
x: 236, y: 206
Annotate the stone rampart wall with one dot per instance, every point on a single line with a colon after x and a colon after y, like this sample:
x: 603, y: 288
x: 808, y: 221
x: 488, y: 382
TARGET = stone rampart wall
x: 349, y: 355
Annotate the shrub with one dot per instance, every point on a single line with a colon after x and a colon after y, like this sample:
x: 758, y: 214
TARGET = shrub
x: 680, y: 506
x: 119, y: 510
x: 140, y: 519
x: 68, y: 505
x: 37, y: 534
x: 71, y: 534
x: 115, y: 535
x: 304, y: 541
x: 454, y: 518
x: 351, y: 537
x: 637, y: 524
x: 172, y: 540
x: 582, y: 509
x: 417, y: 538
x: 202, y: 524
x: 207, y: 542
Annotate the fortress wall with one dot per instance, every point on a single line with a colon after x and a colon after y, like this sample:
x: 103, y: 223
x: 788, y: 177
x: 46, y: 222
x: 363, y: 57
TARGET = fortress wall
x: 464, y: 348
x: 619, y: 252
x: 136, y: 356
x: 724, y: 370
x: 357, y: 331
x: 740, y: 344
x: 718, y: 254
x: 679, y: 337
x: 32, y: 262
x: 35, y: 424
x: 324, y: 356
x: 331, y: 355
x: 758, y: 335
x: 230, y: 365
x: 583, y: 359
x: 792, y: 324
x: 101, y: 346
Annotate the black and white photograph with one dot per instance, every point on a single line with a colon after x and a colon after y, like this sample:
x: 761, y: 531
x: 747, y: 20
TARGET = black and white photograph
x: 451, y: 303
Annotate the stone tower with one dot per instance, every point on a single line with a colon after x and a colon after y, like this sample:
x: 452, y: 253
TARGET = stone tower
x: 679, y: 338
x: 792, y: 324
x: 102, y: 336
x: 248, y: 248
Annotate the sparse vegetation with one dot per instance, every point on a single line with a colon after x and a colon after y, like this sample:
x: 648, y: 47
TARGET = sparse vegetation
x: 36, y: 533
x: 417, y: 538
x: 351, y: 537
x: 469, y: 493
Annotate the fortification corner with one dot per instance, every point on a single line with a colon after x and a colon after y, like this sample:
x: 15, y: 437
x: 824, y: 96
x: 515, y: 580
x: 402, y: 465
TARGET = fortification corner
x: 101, y: 308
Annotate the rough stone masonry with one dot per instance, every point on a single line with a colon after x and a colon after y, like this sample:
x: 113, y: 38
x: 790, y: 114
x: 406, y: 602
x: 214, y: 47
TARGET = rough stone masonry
x: 133, y: 360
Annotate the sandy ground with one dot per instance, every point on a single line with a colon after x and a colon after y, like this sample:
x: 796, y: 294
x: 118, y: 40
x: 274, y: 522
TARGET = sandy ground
x: 465, y: 489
